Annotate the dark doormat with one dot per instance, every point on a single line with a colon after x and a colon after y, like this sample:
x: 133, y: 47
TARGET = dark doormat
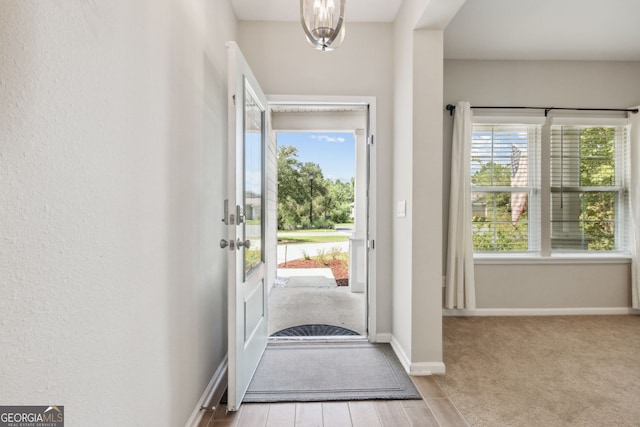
x: 311, y: 372
x: 315, y: 331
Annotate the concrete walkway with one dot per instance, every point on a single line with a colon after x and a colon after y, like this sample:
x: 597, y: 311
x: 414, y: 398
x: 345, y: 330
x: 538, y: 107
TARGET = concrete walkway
x: 319, y: 301
x: 305, y: 277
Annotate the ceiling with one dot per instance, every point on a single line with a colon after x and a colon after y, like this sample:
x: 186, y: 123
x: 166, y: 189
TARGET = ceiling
x: 606, y: 30
x: 288, y: 10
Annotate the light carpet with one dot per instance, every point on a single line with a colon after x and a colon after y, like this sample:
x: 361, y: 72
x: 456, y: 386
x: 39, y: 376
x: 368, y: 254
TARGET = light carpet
x: 543, y: 371
x: 308, y: 372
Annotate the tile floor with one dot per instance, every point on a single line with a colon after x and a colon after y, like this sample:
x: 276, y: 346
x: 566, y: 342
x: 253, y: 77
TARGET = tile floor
x: 435, y: 409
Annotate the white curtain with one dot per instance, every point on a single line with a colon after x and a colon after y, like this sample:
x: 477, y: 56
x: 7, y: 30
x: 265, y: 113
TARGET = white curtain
x: 635, y: 209
x: 460, y: 288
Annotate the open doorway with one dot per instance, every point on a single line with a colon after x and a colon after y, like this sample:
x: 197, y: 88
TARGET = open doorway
x: 320, y: 287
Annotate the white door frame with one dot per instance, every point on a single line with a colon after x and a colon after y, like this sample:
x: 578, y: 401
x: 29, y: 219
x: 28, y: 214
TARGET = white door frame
x: 369, y: 101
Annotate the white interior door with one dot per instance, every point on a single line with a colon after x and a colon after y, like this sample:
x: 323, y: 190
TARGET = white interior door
x: 246, y: 221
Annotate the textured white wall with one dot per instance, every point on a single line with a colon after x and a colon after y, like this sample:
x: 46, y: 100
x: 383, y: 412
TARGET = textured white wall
x: 594, y: 84
x: 112, y: 121
x: 284, y: 64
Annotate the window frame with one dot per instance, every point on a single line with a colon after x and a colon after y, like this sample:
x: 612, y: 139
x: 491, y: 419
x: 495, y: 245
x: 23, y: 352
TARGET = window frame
x: 620, y: 186
x: 541, y: 194
x: 533, y: 175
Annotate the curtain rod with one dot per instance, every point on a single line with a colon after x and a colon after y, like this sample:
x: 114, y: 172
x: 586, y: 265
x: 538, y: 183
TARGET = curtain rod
x: 451, y: 108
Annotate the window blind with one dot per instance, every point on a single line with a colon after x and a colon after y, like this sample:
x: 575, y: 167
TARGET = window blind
x: 505, y: 170
x: 589, y: 178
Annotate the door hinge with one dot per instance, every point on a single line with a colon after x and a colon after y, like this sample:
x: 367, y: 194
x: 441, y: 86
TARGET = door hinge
x: 233, y: 98
x: 370, y: 142
x: 371, y: 244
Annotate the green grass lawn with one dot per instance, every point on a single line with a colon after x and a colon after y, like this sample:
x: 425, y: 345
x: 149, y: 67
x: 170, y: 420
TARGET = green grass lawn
x: 302, y: 231
x: 293, y: 239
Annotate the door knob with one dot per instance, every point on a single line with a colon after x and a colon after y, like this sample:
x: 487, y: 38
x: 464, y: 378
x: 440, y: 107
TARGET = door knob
x: 224, y: 243
x: 246, y: 244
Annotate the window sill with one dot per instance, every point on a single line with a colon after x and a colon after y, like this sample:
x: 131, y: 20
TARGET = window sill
x: 531, y: 259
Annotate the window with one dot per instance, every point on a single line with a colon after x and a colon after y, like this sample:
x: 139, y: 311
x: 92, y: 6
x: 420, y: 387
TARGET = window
x: 589, y: 198
x: 504, y: 187
x: 585, y: 179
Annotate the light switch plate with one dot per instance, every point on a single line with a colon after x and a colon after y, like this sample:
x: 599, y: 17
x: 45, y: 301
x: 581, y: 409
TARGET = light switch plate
x: 401, y: 209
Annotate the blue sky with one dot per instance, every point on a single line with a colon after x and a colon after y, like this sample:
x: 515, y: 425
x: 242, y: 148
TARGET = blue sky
x: 334, y: 152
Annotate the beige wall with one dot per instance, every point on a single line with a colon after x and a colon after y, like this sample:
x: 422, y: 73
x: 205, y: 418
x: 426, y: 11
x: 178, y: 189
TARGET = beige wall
x: 543, y: 83
x: 417, y: 241
x: 402, y: 174
x: 113, y: 287
x: 427, y: 194
x: 554, y: 286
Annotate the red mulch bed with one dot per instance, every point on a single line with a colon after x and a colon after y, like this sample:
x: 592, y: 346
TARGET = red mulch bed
x: 340, y: 272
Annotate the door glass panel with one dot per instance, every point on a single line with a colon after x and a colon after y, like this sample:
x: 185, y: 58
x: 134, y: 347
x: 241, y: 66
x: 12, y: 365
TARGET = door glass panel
x: 254, y: 133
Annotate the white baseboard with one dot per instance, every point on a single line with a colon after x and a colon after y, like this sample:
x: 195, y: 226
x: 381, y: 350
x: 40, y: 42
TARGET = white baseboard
x: 384, y: 337
x: 427, y: 368
x: 218, y: 380
x: 402, y: 356
x: 538, y: 311
x: 417, y: 369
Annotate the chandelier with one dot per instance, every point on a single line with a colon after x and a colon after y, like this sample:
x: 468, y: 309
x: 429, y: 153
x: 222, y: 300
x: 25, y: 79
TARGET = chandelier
x: 323, y: 23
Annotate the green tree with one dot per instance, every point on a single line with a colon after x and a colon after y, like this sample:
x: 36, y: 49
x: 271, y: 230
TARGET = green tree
x: 294, y: 193
x: 338, y: 200
x: 597, y: 168
x: 493, y: 229
x: 597, y: 161
x: 494, y: 174
x: 319, y: 184
x: 290, y: 190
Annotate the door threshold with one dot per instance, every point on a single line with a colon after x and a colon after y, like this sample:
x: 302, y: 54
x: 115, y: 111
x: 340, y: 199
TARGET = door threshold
x: 320, y: 339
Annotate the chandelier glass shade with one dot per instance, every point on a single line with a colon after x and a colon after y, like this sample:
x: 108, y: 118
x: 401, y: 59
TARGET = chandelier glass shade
x: 323, y: 23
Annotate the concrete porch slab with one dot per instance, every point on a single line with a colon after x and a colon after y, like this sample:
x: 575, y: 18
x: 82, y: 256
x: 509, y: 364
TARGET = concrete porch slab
x: 305, y: 277
x: 322, y: 305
